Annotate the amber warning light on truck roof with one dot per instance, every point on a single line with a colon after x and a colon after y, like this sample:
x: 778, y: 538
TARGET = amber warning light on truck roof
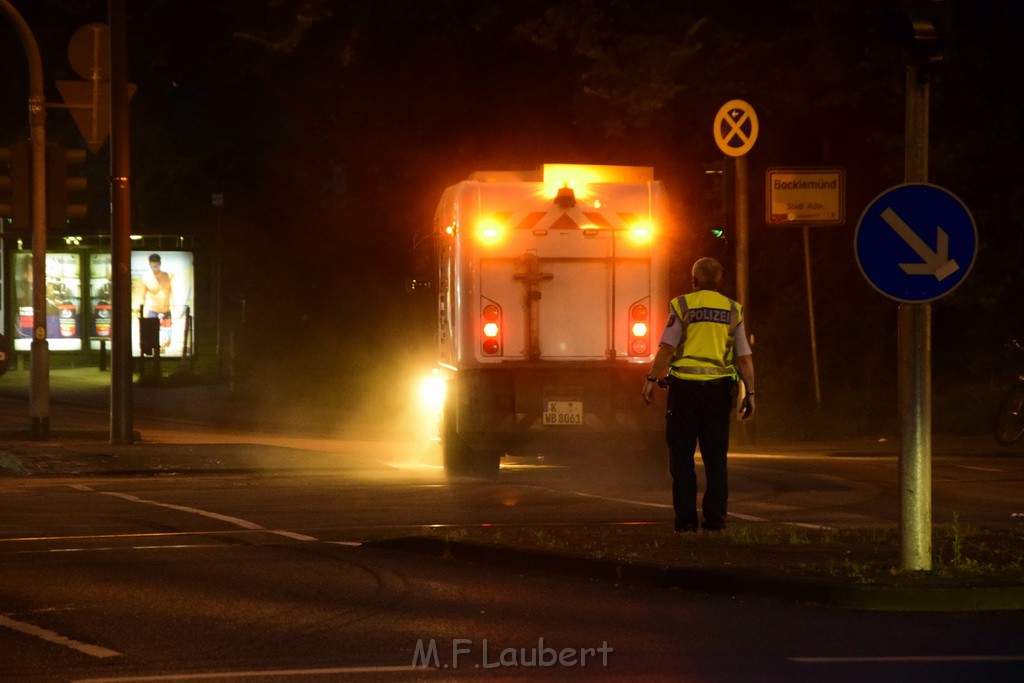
x: 579, y: 177
x: 565, y: 198
x: 559, y: 174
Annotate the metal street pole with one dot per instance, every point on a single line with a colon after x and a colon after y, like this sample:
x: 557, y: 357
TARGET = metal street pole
x: 218, y: 203
x: 810, y: 317
x: 39, y: 388
x: 742, y: 232
x: 743, y: 258
x: 914, y: 353
x: 121, y: 427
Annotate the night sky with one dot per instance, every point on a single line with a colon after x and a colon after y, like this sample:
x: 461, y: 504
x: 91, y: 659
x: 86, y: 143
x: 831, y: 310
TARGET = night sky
x: 332, y: 127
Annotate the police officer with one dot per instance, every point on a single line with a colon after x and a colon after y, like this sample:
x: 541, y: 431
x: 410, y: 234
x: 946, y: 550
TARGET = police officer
x: 705, y: 348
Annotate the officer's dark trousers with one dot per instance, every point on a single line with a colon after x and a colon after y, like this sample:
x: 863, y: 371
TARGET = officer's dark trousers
x: 698, y: 413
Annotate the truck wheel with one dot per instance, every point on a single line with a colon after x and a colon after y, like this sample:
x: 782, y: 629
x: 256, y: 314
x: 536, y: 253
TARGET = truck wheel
x: 458, y: 459
x: 486, y: 464
x: 461, y: 461
x: 455, y: 454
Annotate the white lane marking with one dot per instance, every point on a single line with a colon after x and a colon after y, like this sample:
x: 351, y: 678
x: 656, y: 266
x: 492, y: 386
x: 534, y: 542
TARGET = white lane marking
x: 53, y: 637
x: 293, y: 534
x: 802, y: 525
x: 746, y: 518
x: 623, y: 500
x: 357, y: 670
x: 244, y: 523
x: 912, y: 658
x: 160, y: 534
x: 115, y: 549
x: 981, y: 469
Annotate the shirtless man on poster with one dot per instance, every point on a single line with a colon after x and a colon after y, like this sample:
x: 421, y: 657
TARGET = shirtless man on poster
x: 156, y: 297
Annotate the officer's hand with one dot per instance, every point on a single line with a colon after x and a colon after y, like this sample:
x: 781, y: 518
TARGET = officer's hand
x: 648, y: 392
x: 747, y: 407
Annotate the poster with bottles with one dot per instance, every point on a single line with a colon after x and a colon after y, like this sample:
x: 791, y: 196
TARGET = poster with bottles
x: 162, y: 284
x: 100, y: 286
x: 63, y: 301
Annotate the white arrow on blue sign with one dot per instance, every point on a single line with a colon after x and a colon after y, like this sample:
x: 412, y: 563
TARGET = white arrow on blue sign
x: 916, y: 243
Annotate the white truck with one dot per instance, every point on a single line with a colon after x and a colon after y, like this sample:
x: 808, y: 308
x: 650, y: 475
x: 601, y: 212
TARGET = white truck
x: 553, y: 290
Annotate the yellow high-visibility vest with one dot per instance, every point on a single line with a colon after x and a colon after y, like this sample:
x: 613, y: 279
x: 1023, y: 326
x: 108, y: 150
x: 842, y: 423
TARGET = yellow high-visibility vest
x: 707, y: 351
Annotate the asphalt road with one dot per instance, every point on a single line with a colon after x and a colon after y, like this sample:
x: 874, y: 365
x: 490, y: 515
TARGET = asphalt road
x: 207, y: 554
x: 263, y: 576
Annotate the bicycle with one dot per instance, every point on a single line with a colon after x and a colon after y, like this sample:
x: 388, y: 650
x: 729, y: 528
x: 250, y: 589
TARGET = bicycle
x: 1008, y: 425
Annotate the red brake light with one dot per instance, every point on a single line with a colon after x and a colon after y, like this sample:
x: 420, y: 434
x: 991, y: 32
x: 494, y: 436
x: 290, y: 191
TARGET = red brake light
x: 639, y: 331
x: 491, y: 329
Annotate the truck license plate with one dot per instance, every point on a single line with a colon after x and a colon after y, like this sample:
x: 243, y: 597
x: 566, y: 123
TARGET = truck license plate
x: 563, y: 413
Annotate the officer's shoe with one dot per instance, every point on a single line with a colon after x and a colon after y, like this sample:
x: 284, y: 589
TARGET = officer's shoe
x: 713, y: 526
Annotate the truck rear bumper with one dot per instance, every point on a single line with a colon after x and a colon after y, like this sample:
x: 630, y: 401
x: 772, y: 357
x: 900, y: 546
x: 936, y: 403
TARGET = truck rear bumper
x: 530, y: 407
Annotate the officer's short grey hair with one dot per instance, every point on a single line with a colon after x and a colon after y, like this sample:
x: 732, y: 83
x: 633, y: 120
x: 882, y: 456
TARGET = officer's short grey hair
x: 707, y: 273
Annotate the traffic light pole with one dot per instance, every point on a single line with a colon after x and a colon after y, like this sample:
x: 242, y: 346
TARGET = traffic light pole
x: 121, y: 428
x: 39, y: 388
x: 39, y: 392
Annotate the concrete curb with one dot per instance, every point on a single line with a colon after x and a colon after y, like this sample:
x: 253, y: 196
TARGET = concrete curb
x: 92, y: 456
x: 60, y: 436
x: 817, y: 591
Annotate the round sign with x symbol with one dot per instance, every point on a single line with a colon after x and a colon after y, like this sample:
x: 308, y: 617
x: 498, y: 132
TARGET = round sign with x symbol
x: 735, y: 128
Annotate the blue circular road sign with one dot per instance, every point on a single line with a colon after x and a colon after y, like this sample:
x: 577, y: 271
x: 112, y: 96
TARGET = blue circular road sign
x: 916, y: 242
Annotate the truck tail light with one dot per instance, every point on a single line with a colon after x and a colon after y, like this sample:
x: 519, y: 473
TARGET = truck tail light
x: 639, y: 331
x: 490, y: 326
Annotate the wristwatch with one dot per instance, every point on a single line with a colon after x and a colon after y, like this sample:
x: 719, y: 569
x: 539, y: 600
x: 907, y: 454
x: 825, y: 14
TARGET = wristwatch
x: 651, y: 378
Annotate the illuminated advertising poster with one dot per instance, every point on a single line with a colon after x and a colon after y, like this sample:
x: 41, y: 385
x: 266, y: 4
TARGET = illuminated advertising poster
x: 162, y: 283
x: 99, y: 295
x: 63, y: 301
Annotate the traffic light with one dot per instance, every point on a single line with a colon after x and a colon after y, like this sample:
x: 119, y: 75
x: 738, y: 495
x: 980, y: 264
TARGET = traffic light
x: 63, y: 179
x: 16, y: 185
x: 920, y: 30
x: 719, y: 197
